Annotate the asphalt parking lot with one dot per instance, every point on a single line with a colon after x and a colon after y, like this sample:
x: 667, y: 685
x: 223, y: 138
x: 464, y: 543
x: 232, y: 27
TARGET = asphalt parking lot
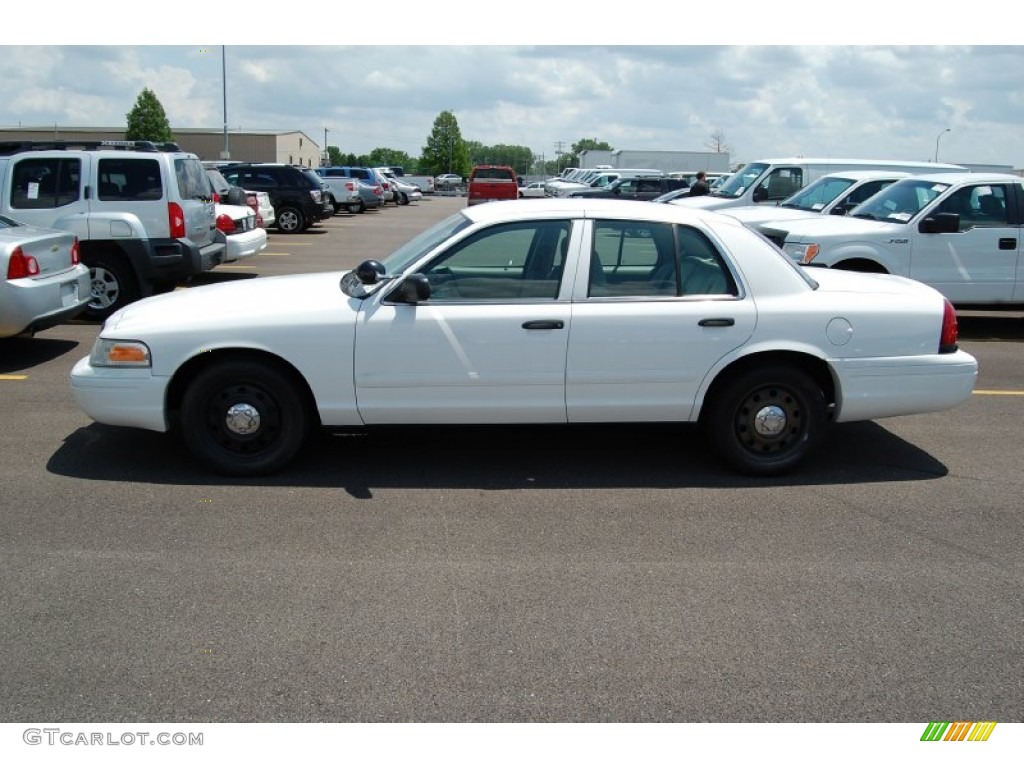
x: 514, y: 575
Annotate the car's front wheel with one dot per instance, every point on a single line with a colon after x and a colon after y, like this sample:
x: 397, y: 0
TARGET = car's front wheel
x: 243, y: 418
x: 290, y: 220
x: 765, y: 421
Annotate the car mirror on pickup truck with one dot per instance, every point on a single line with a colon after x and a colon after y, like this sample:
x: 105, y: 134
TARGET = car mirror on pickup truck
x: 940, y: 223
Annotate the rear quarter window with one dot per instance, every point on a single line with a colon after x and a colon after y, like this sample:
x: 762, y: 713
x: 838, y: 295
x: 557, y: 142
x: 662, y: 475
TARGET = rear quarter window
x: 193, y: 183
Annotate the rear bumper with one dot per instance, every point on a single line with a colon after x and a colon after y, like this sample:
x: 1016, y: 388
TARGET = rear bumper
x: 875, y: 388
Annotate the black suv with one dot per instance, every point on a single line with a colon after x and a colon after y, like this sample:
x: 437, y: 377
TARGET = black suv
x: 296, y: 193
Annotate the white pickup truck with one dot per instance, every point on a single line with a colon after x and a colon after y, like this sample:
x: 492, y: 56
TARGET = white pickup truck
x: 343, y: 190
x: 958, y: 232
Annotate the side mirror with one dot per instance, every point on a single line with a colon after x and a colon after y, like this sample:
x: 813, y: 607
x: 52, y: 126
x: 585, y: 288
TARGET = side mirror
x: 759, y: 194
x: 412, y: 290
x: 940, y: 224
x: 840, y: 210
x: 370, y: 272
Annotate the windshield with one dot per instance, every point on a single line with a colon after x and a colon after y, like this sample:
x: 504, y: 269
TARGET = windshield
x: 900, y: 202
x: 423, y: 243
x: 816, y: 195
x: 741, y: 180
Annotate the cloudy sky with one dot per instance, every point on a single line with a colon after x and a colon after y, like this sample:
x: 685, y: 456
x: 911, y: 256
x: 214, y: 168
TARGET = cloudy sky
x: 840, y: 99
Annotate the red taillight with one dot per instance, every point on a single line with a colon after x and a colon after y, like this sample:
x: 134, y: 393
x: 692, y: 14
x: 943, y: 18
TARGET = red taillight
x: 76, y: 253
x: 176, y: 220
x: 20, y: 265
x: 225, y: 224
x: 947, y: 341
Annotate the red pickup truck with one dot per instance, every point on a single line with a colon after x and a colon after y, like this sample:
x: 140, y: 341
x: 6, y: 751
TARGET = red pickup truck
x: 492, y: 182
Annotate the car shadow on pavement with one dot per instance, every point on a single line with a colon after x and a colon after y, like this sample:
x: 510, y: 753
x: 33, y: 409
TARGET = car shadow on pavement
x: 498, y: 458
x: 20, y: 353
x: 991, y: 326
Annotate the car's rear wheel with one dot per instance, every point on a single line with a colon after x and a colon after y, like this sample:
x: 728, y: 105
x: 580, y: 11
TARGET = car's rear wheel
x: 112, y: 285
x: 403, y: 199
x: 243, y: 418
x: 765, y: 421
x: 353, y: 207
x: 290, y: 220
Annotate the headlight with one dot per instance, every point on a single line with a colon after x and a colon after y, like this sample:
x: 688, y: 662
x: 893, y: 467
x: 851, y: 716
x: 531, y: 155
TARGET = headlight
x: 803, y: 253
x: 117, y: 353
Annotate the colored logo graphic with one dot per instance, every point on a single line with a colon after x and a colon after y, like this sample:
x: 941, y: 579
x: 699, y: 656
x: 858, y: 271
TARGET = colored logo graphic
x: 961, y: 731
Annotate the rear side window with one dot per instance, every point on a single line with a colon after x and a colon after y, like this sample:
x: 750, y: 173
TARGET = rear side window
x: 193, y: 183
x: 45, y: 182
x: 129, y: 179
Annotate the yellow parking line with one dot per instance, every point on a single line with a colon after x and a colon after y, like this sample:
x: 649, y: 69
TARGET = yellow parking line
x: 12, y: 377
x: 1002, y: 392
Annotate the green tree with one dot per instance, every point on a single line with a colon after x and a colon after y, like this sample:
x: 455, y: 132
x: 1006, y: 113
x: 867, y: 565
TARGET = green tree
x: 384, y: 156
x: 334, y: 156
x: 445, y: 151
x: 519, y: 157
x: 147, y: 121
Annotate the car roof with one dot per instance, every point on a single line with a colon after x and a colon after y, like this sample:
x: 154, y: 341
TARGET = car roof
x: 968, y: 176
x: 589, y: 207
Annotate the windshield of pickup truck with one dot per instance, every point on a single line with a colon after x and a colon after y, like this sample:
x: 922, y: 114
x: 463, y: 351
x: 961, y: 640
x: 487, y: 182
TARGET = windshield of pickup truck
x: 816, y: 195
x: 900, y: 202
x: 739, y: 181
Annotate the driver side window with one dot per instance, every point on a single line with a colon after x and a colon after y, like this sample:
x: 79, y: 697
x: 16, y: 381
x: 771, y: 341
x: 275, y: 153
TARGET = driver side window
x: 508, y: 262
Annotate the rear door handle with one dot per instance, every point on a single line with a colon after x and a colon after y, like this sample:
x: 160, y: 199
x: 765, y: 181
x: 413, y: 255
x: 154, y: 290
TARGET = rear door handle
x: 544, y: 325
x: 1007, y: 243
x: 716, y: 322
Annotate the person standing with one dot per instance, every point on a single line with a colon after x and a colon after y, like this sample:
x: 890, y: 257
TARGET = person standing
x: 700, y: 186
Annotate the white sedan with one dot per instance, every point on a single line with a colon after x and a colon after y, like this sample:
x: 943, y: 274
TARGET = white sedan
x: 534, y: 311
x: 238, y: 224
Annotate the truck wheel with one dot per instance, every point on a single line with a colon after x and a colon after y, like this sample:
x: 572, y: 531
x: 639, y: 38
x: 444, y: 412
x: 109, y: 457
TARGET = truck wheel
x: 290, y: 221
x: 765, y: 421
x: 243, y: 418
x: 112, y: 285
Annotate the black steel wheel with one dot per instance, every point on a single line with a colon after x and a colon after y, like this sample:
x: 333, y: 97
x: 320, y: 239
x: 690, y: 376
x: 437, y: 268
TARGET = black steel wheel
x: 764, y: 422
x: 243, y: 418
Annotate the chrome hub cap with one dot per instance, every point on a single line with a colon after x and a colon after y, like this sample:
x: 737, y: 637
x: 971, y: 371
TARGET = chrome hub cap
x: 770, y: 421
x: 242, y: 419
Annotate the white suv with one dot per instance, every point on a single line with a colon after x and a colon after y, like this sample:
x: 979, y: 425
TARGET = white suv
x: 143, y: 213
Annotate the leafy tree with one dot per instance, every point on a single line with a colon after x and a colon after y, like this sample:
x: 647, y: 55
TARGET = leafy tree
x: 334, y: 156
x: 519, y: 157
x: 147, y: 121
x: 445, y: 151
x: 384, y: 156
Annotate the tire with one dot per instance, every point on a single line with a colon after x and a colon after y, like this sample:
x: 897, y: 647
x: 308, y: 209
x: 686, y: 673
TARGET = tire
x: 243, y: 418
x: 290, y: 221
x: 765, y: 421
x: 362, y: 207
x: 403, y: 199
x: 112, y: 285
x: 354, y: 208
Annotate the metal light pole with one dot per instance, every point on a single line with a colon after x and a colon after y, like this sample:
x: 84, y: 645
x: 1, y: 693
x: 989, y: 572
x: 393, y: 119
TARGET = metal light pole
x: 947, y: 130
x: 327, y: 154
x: 226, y: 154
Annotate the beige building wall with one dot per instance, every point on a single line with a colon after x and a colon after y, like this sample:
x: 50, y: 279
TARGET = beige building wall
x: 255, y: 146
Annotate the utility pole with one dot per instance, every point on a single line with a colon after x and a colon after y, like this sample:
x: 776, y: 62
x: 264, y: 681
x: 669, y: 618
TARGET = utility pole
x: 327, y: 155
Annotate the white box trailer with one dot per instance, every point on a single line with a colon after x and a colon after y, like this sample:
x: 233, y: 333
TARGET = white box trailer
x: 667, y: 160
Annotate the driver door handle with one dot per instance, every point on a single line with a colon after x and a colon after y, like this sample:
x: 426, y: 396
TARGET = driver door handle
x: 544, y: 325
x: 716, y: 322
